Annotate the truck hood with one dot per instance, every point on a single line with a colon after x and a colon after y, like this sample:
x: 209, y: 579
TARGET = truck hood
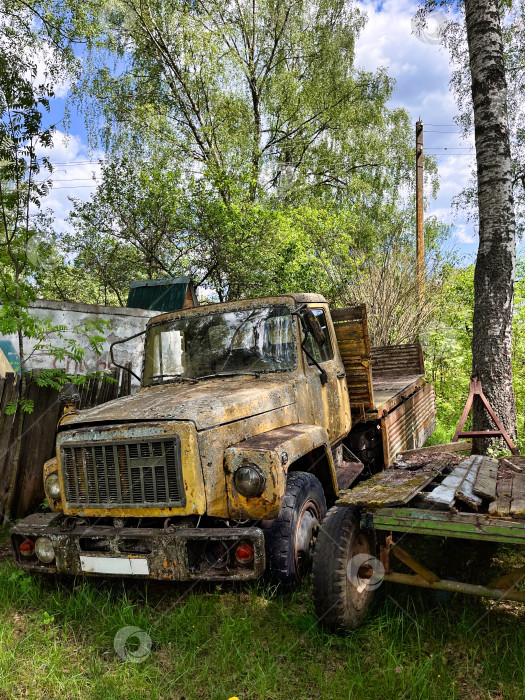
x: 207, y: 403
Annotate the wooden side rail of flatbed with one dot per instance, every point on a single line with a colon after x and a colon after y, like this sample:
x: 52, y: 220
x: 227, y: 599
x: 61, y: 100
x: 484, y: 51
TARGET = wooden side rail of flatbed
x: 386, y: 385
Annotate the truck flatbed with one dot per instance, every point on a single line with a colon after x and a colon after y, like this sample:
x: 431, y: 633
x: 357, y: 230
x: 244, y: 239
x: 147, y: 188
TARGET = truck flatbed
x: 390, y: 391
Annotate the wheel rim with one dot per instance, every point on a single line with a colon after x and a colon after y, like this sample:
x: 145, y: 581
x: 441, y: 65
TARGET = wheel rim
x: 306, y: 531
x: 359, y: 597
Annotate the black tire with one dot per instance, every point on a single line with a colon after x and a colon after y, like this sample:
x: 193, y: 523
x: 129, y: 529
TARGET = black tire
x: 290, y: 538
x: 339, y: 604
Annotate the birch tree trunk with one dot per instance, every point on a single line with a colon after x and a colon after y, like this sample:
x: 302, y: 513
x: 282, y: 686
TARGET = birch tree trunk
x: 496, y: 260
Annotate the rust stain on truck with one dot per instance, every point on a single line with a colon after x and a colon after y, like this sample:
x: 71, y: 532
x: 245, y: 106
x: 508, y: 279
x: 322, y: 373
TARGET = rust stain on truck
x: 244, y: 409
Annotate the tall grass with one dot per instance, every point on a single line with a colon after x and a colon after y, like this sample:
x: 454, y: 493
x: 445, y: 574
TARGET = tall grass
x: 56, y: 641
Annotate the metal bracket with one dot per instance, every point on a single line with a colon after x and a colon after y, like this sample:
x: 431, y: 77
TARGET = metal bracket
x: 477, y: 390
x: 501, y: 588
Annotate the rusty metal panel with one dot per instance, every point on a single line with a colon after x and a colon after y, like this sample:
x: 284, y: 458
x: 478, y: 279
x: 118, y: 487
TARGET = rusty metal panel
x: 175, y: 553
x: 410, y: 424
x: 130, y: 473
x: 398, y: 360
x: 351, y: 330
x: 189, y: 480
x: 273, y: 452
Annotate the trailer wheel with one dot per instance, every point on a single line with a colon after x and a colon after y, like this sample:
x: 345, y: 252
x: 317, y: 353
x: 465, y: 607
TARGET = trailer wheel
x: 339, y: 603
x: 290, y: 538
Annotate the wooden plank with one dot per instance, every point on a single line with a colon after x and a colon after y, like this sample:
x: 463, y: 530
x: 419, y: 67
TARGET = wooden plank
x: 347, y: 472
x: 465, y: 491
x: 8, y: 432
x: 517, y: 505
x: 395, y: 360
x: 351, y: 330
x: 487, y: 478
x: 468, y: 526
x: 445, y: 494
x: 391, y: 403
x: 445, y: 447
x: 350, y: 313
x: 38, y: 446
x: 391, y: 487
x: 511, y: 464
x: 501, y: 506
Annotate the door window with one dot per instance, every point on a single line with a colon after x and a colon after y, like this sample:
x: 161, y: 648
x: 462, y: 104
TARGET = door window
x: 325, y: 352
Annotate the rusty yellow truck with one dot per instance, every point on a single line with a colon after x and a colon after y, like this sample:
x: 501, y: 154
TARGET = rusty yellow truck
x: 250, y: 418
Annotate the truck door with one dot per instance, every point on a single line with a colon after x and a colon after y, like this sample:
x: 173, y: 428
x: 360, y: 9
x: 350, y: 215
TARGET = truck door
x: 330, y: 401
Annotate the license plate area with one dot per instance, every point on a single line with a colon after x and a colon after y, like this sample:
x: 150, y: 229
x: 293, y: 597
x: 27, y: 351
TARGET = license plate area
x: 123, y: 566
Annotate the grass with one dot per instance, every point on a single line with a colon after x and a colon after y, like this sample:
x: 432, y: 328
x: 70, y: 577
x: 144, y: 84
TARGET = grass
x: 57, y: 640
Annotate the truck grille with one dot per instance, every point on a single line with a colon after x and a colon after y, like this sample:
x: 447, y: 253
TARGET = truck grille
x: 129, y: 474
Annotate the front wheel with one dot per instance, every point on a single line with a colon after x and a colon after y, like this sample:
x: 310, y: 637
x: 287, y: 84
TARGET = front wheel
x: 345, y: 572
x: 290, y: 538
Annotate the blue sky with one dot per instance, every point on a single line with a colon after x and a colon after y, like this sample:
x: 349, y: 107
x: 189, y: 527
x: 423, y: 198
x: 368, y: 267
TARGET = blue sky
x: 422, y: 73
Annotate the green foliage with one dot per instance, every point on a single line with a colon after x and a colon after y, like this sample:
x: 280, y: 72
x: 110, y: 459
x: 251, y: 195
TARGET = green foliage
x: 146, y: 221
x: 23, y: 227
x: 448, y: 351
x: 449, y: 355
x: 25, y: 405
x: 257, y: 98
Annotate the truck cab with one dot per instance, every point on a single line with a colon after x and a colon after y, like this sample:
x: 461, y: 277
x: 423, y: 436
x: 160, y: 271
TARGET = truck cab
x: 221, y: 467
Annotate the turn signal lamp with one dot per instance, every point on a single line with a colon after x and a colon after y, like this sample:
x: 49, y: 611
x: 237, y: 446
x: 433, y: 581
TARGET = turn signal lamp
x: 27, y: 548
x: 244, y: 553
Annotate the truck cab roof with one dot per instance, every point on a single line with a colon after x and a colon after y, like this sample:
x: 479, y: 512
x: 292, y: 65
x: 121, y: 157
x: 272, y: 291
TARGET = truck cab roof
x: 243, y: 303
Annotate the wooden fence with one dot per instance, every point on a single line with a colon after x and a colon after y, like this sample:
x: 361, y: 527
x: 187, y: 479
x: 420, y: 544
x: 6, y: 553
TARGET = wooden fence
x: 37, y: 443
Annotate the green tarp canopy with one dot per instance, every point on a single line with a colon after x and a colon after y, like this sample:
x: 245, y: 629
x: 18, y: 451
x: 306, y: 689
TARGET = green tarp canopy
x: 161, y: 295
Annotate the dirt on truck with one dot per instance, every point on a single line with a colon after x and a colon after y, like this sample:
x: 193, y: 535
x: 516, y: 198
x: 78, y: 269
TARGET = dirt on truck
x: 251, y: 416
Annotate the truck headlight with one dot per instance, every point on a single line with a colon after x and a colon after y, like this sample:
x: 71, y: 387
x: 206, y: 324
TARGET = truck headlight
x: 249, y: 480
x: 44, y: 550
x: 52, y: 486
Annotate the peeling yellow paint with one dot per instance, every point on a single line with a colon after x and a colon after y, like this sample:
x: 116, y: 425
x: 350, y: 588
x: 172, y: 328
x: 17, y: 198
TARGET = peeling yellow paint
x: 216, y: 418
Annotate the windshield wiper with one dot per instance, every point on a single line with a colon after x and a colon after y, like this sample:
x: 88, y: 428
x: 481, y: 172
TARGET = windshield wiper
x: 229, y: 374
x: 173, y: 376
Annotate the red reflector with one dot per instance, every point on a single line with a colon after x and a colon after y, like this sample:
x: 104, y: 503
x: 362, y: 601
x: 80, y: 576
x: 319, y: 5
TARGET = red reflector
x: 27, y: 548
x: 244, y: 553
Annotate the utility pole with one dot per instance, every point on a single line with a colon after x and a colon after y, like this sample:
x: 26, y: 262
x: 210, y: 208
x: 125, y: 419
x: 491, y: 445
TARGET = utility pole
x: 420, y: 223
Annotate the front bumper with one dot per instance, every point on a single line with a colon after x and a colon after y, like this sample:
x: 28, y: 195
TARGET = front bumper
x: 178, y: 554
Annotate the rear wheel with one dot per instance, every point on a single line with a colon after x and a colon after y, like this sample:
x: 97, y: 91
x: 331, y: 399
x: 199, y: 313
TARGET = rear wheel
x: 344, y: 570
x: 291, y: 537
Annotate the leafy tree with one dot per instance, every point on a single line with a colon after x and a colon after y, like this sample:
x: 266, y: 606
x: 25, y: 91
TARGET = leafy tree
x: 261, y: 99
x: 22, y: 224
x: 146, y: 223
x: 22, y: 184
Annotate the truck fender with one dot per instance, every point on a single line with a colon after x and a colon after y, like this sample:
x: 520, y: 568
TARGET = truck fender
x: 296, y: 447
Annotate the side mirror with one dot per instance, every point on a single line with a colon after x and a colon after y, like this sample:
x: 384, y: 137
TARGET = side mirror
x: 118, y: 342
x: 312, y: 323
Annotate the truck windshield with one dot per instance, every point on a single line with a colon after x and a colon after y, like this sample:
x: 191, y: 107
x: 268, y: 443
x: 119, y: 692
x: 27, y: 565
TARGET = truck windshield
x: 229, y: 342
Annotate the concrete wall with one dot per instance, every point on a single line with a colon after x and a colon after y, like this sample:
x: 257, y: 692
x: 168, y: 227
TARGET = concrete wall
x: 124, y: 322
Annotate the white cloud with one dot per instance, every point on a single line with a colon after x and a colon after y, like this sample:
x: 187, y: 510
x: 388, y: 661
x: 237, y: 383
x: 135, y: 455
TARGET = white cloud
x: 76, y: 172
x: 42, y: 60
x: 464, y: 236
x: 422, y: 73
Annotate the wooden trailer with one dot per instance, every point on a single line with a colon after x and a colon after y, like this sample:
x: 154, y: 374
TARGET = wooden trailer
x: 360, y: 544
